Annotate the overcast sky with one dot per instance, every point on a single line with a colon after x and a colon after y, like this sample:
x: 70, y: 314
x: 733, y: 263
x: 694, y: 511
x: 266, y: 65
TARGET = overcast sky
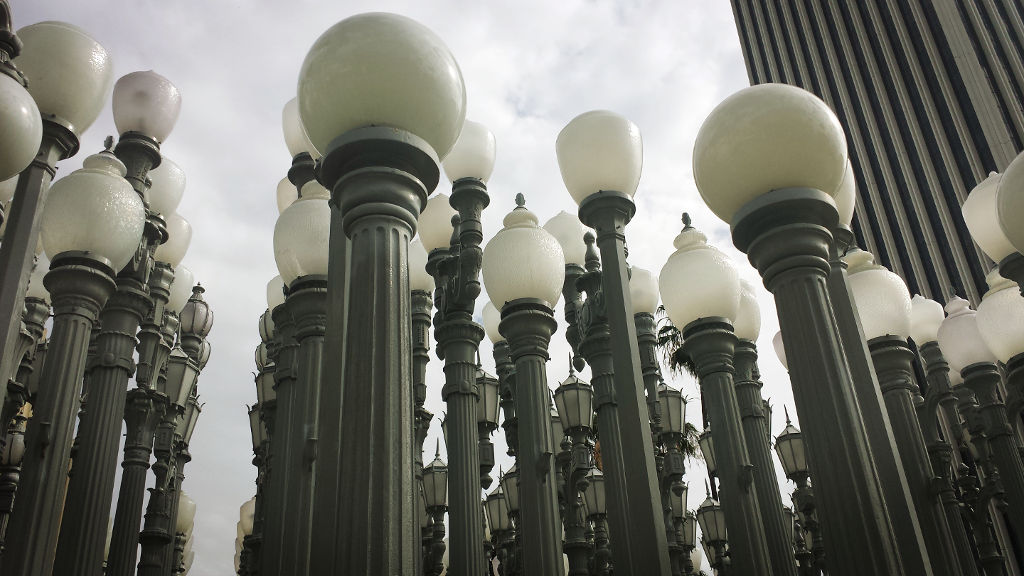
x: 529, y: 68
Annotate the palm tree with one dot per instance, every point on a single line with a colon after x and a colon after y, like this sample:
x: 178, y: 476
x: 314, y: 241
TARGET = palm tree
x: 670, y: 346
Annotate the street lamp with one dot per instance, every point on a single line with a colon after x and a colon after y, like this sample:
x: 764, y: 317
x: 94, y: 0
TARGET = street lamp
x: 498, y: 519
x: 707, y: 450
x: 595, y: 500
x: 714, y: 531
x: 574, y: 400
x: 380, y: 160
x: 523, y: 269
x: 86, y: 247
x: 435, y: 492
x: 768, y: 160
x: 600, y: 154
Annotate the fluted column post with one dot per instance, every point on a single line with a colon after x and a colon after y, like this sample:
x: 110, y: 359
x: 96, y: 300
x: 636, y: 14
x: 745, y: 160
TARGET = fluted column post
x: 79, y: 288
x: 156, y: 532
x: 282, y: 352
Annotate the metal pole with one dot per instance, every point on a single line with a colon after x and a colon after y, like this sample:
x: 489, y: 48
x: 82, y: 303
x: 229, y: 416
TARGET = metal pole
x: 421, y: 306
x: 786, y: 237
x: 156, y: 532
x: 79, y: 287
x: 528, y: 326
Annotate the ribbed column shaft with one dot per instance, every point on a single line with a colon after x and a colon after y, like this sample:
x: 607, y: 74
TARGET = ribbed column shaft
x: 528, y: 325
x: 777, y: 528
x: 78, y: 293
x: 278, y: 493
x: 91, y: 486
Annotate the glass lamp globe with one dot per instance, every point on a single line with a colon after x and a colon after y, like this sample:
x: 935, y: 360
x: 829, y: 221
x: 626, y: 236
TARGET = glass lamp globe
x: 574, y: 400
x: 247, y: 515
x: 70, y: 73
x: 186, y: 512
x: 287, y: 194
x: 487, y: 405
x: 295, y: 137
x: 882, y: 299
x: 302, y: 234
x: 925, y: 318
x: 523, y: 261
x: 8, y: 187
x: 509, y: 483
x: 1001, y: 317
x: 960, y: 339
x: 168, y: 187
x: 94, y: 210
x: 594, y: 496
x: 275, y: 293
x: 435, y: 482
x: 643, y: 291
x: 712, y: 520
x: 23, y: 127
x: 473, y: 153
x: 748, y: 320
x: 36, y: 289
x: 1010, y: 202
x: 706, y: 444
x: 497, y: 510
x: 181, y: 289
x: 492, y: 319
x: 362, y: 72
x: 981, y: 214
x: 418, y: 277
x: 780, y: 349
x: 846, y: 196
x: 569, y: 231
x: 764, y: 138
x: 435, y: 225
x: 600, y: 151
x: 179, y: 236
x: 789, y: 446
x: 673, y: 409
x: 147, y: 103
x: 698, y: 281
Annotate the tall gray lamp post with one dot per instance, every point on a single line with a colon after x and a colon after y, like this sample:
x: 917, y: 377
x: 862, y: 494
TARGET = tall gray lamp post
x: 527, y: 323
x: 86, y: 251
x: 381, y: 153
x: 600, y: 154
x: 706, y: 312
x: 506, y: 378
x: 422, y: 285
x: 792, y: 453
x: 69, y: 78
x: 454, y: 261
x: 672, y: 433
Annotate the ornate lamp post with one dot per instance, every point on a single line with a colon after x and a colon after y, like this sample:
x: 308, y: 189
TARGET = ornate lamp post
x: 70, y: 76
x: 672, y: 433
x: 381, y: 152
x: 454, y: 262
x: 527, y: 322
x: 600, y: 156
x: 509, y: 483
x: 487, y: 421
x: 506, y: 378
x: 86, y: 251
x: 595, y: 500
x: 714, y: 531
x: 498, y: 519
x: 435, y: 492
x: 781, y: 210
x: 422, y: 285
x: 10, y: 471
x: 574, y: 399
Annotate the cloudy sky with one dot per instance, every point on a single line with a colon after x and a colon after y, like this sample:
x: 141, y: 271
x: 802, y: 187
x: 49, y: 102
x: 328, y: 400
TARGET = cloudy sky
x: 529, y: 68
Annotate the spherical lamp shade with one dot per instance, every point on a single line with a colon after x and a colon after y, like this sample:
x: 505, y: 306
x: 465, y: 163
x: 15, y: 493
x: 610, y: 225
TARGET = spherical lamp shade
x: 764, y: 138
x: 295, y: 137
x: 574, y: 400
x: 435, y: 225
x: 168, y: 186
x: 789, y: 446
x: 146, y: 102
x: 497, y: 510
x: 600, y: 150
x: 302, y: 234
x: 1001, y: 317
x: 748, y: 319
x: 780, y: 349
x: 594, y: 496
x: 698, y: 281
x: 569, y: 231
x: 69, y: 73
x: 643, y: 290
x: 179, y: 237
x: 23, y: 127
x: 846, y: 196
x: 435, y: 483
x: 690, y: 530
x: 925, y: 318
x: 473, y: 153
x: 881, y: 297
x: 287, y: 193
x: 707, y: 449
x: 959, y: 337
x: 1010, y: 202
x: 275, y: 293
x: 673, y: 410
x: 364, y: 71
x: 712, y: 521
x: 187, y: 513
x: 418, y: 277
x: 981, y: 214
x: 94, y: 210
x: 36, y: 289
x: 510, y: 486
x: 492, y: 319
x: 181, y: 288
x: 523, y: 261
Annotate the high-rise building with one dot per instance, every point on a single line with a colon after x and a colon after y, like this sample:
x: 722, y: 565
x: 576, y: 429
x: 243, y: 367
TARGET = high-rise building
x: 930, y: 93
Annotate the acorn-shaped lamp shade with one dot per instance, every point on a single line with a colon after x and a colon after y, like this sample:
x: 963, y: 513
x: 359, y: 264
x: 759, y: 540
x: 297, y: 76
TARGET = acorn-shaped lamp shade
x: 181, y: 288
x: 1010, y: 202
x: 435, y: 225
x: 600, y: 150
x: 748, y: 319
x: 94, y: 210
x: 473, y: 153
x: 925, y: 318
x: 698, y: 281
x: 275, y: 293
x: 418, y: 277
x: 960, y: 338
x: 287, y: 193
x: 23, y: 127
x: 179, y: 237
x: 569, y: 231
x: 147, y: 103
x: 881, y: 297
x: 763, y: 138
x: 523, y: 261
x: 362, y: 71
x: 981, y: 214
x: 1001, y: 317
x: 168, y: 186
x: 643, y: 291
x: 302, y: 234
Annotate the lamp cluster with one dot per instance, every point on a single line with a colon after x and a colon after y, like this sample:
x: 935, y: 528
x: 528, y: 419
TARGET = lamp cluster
x: 100, y: 250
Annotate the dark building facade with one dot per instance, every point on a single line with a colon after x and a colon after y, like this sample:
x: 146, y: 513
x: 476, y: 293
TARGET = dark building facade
x: 930, y: 93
